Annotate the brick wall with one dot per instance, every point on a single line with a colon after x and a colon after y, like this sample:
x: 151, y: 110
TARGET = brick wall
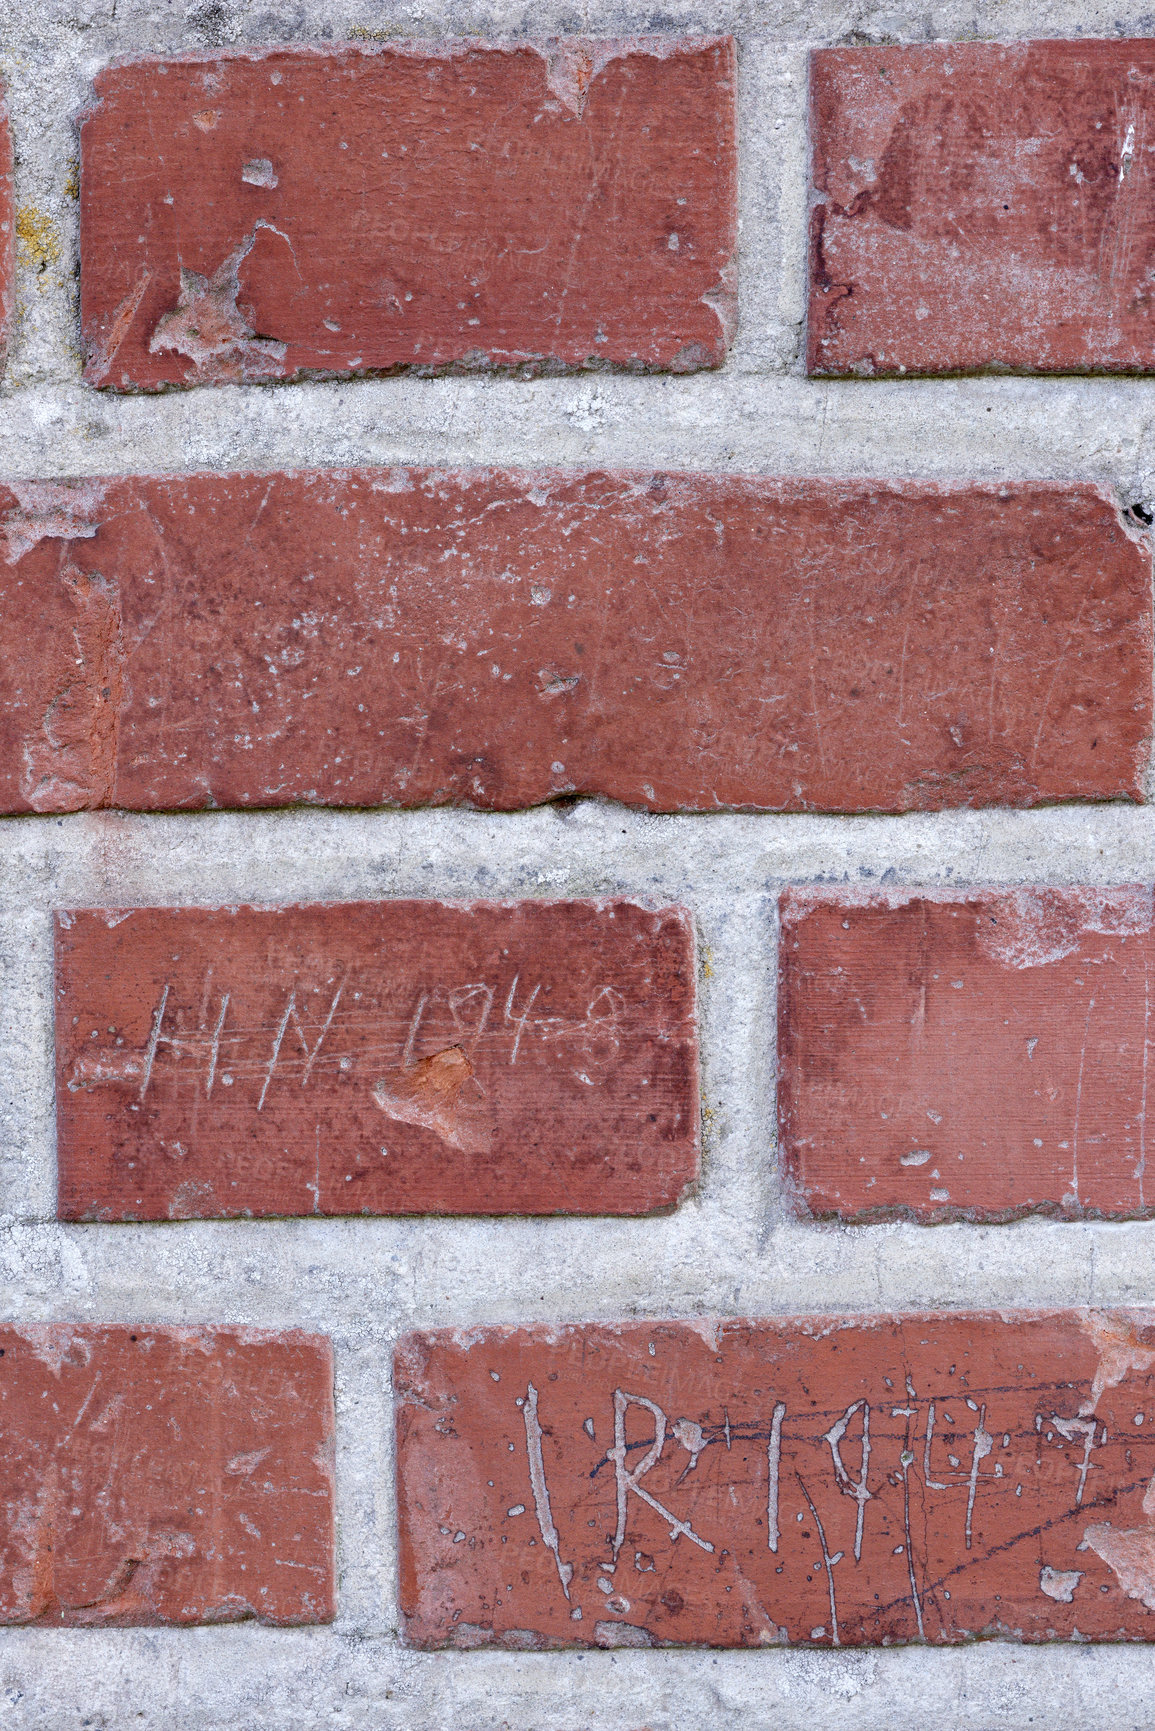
x: 840, y: 688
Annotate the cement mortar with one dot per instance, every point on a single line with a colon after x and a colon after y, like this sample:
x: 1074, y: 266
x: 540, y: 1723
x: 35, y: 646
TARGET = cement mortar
x: 733, y: 1248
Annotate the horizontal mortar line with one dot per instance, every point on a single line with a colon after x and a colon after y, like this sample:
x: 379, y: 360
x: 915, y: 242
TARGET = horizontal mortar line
x: 98, y: 860
x: 763, y: 20
x: 775, y: 423
x: 705, y: 1220
x: 337, y: 1321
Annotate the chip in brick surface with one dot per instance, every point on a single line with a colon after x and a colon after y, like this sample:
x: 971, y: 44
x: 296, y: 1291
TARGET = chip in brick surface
x: 981, y: 206
x: 978, y: 1055
x: 410, y: 206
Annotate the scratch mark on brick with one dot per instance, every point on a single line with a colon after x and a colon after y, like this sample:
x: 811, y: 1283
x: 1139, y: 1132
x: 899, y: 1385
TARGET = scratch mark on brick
x: 105, y: 352
x: 540, y: 1488
x: 39, y: 1581
x: 132, y: 1591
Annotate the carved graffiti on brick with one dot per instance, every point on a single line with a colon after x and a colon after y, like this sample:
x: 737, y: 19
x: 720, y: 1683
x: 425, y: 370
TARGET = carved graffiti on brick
x: 961, y: 1474
x: 745, y: 1483
x: 301, y: 1041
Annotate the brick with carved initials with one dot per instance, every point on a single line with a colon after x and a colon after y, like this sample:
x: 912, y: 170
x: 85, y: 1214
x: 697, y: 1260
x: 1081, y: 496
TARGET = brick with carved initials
x: 840, y: 1481
x: 165, y: 1475
x: 375, y: 1058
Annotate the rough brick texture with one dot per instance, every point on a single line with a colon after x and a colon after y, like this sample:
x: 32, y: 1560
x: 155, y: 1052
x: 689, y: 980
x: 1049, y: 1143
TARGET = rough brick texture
x: 981, y: 204
x: 834, y: 1482
x: 165, y: 1475
x: 978, y: 1057
x: 418, y: 206
x: 500, y: 638
x: 398, y: 1057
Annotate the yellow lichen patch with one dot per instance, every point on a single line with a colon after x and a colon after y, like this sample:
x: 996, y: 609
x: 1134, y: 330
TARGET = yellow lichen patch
x: 72, y: 184
x: 37, y: 242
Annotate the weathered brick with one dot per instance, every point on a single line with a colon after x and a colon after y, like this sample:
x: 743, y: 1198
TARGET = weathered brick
x: 7, y: 233
x: 974, y: 1056
x: 496, y: 639
x: 981, y: 204
x: 165, y: 1475
x: 376, y: 1058
x: 827, y: 1481
x: 411, y: 206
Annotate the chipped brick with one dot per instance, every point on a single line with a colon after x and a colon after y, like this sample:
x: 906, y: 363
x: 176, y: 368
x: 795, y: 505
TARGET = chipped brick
x: 981, y: 205
x: 410, y: 206
x: 978, y: 1056
x: 375, y: 1058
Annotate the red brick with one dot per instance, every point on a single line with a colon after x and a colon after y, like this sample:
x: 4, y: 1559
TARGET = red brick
x: 981, y: 205
x: 7, y: 234
x: 375, y: 1058
x: 1005, y: 1488
x: 974, y: 1057
x: 165, y: 1475
x: 500, y: 638
x: 412, y: 206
